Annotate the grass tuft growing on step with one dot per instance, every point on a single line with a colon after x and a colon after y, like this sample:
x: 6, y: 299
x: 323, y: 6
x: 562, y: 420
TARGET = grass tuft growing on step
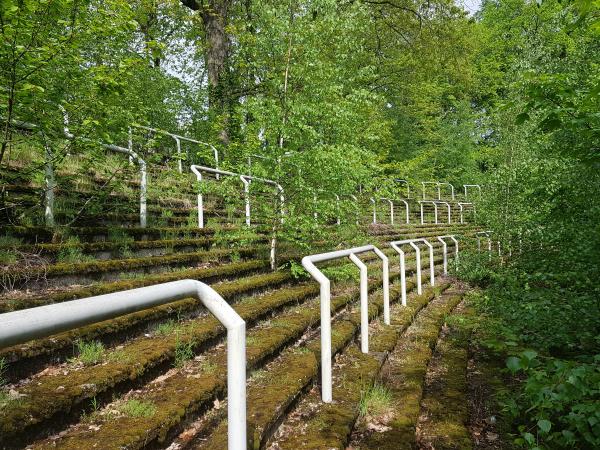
x: 375, y: 400
x: 88, y: 353
x: 137, y: 408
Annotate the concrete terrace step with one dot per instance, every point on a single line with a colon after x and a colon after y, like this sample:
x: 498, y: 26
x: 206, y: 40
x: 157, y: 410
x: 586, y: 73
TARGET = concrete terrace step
x: 314, y: 424
x: 65, y: 274
x: 274, y: 391
x: 183, y: 393
x: 444, y: 407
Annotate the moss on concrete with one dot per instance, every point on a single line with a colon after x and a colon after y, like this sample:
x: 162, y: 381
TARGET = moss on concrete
x: 444, y: 407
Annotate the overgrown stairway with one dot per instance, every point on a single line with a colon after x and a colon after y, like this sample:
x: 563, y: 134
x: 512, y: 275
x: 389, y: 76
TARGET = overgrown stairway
x: 157, y: 378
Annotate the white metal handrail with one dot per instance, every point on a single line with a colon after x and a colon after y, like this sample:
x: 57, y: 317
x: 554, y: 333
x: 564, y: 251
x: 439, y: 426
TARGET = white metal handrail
x: 18, y: 327
x: 465, y: 186
x: 355, y: 198
x: 390, y: 202
x: 398, y: 180
x: 487, y: 233
x: 435, y: 210
x: 407, y: 210
x: 412, y: 242
x: 128, y: 151
x: 178, y: 138
x: 391, y: 208
x: 461, y: 205
x: 439, y: 189
x: 423, y: 183
x: 308, y: 262
x: 441, y: 202
x: 245, y: 180
x: 445, y: 250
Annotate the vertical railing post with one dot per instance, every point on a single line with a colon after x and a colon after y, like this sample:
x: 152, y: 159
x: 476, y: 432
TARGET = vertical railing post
x: 49, y: 185
x: 364, y: 303
x: 179, y: 161
x: 374, y: 211
x: 246, y: 198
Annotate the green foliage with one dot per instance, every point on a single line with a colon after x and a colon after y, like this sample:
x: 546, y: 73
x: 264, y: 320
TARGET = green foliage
x: 375, y: 400
x: 347, y: 272
x: 298, y: 272
x: 184, y: 351
x: 137, y: 408
x: 123, y: 241
x: 166, y: 328
x: 71, y: 252
x: 88, y: 353
x: 559, y: 404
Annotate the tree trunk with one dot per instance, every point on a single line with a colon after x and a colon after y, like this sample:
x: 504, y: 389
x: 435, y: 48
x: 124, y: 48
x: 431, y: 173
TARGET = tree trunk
x: 214, y: 14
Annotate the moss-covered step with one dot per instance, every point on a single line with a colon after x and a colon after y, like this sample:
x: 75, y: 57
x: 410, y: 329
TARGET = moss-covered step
x: 314, y: 424
x: 274, y: 390
x: 34, y: 235
x: 64, y: 274
x: 444, y: 407
x: 206, y: 274
x: 404, y: 376
x: 118, y: 249
x: 251, y: 310
x: 60, y: 390
x: 25, y: 359
x: 191, y: 389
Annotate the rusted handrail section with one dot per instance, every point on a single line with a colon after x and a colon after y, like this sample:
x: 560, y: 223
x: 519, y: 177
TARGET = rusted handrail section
x: 445, y: 250
x: 435, y: 210
x: 178, y: 138
x: 18, y: 327
x: 308, y: 262
x: 396, y: 245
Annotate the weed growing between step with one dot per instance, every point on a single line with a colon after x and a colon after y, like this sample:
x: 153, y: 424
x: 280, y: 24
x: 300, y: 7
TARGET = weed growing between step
x: 375, y: 400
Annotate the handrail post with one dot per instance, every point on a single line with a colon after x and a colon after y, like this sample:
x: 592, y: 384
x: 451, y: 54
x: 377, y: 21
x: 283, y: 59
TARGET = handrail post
x: 179, y: 162
x: 364, y: 303
x: 374, y: 211
x: 200, y: 198
x: 308, y: 262
x: 391, y: 209
x: 407, y: 213
x: 337, y: 209
x: 386, y: 284
x: 357, y: 206
x: 246, y: 197
x: 418, y: 260
x: 448, y: 209
x: 431, y: 262
x: 445, y: 252
x: 412, y: 242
